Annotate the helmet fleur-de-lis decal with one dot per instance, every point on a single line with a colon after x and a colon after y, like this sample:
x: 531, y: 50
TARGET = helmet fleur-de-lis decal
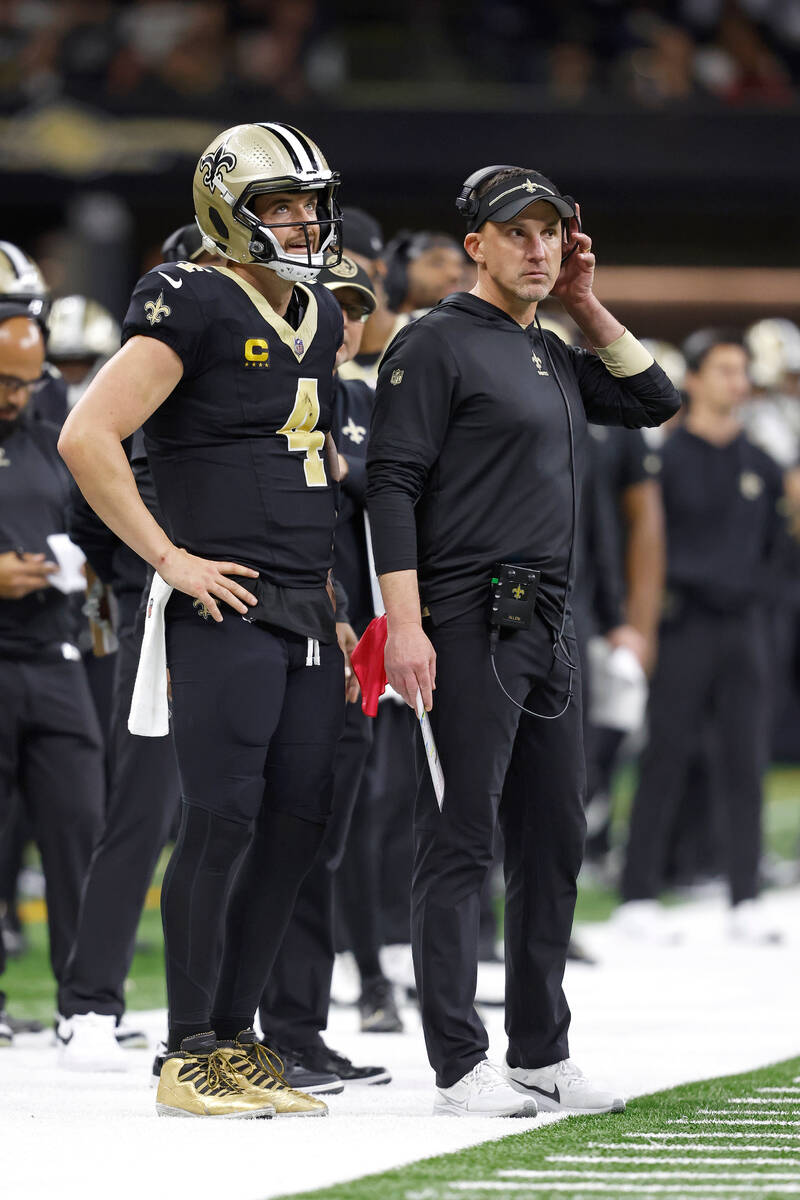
x: 156, y: 310
x: 213, y: 165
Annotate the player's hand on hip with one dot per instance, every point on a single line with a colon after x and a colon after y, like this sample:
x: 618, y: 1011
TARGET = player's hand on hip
x: 410, y: 662
x: 208, y: 581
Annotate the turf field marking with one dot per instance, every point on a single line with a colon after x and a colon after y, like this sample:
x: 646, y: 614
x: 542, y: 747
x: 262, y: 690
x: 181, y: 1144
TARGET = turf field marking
x: 727, y: 1112
x: 718, y: 1136
x: 760, y: 1100
x: 682, y: 1148
x: 780, y: 1090
x: 580, y: 1186
x: 770, y: 1176
x: 640, y: 1160
x: 725, y: 1121
x: 705, y: 1149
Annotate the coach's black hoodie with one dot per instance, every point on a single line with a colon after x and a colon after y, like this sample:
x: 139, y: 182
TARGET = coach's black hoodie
x: 469, y: 455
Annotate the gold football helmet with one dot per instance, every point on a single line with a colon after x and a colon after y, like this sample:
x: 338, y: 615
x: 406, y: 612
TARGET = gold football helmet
x: 22, y: 282
x: 248, y: 160
x: 774, y: 347
x: 81, y: 328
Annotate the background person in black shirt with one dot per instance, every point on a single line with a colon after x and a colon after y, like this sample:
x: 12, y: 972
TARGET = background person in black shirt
x: 471, y: 463
x: 721, y: 503
x: 50, y: 741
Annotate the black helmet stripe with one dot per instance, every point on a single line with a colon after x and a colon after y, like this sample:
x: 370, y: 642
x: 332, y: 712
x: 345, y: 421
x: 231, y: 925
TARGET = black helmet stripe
x: 306, y: 144
x: 293, y: 146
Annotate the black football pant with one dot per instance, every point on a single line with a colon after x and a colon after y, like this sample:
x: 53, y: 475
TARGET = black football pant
x: 530, y: 773
x: 50, y: 743
x: 255, y: 734
x: 294, y: 1006
x: 143, y: 799
x: 712, y: 669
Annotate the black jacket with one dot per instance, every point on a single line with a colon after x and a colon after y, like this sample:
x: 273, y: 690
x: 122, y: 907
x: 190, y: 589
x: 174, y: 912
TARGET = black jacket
x: 470, y: 448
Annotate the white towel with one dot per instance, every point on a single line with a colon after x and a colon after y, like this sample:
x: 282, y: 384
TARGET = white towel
x: 149, y: 715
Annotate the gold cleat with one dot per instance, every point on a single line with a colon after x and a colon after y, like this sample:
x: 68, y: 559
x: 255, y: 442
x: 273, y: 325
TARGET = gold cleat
x: 259, y: 1072
x: 198, y: 1081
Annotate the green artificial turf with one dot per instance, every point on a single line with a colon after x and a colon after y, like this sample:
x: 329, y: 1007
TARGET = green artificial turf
x: 554, y: 1148
x: 29, y: 983
x: 30, y: 986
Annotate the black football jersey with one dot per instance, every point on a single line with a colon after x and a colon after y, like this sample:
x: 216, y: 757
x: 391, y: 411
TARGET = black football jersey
x: 237, y: 450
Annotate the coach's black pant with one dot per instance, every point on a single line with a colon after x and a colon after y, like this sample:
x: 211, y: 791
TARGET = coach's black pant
x: 532, y: 771
x: 295, y: 1003
x: 711, y: 667
x: 50, y: 742
x: 143, y: 801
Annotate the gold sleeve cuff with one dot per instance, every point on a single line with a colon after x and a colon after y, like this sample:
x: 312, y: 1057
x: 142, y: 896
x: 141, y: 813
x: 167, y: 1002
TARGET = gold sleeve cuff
x: 625, y: 356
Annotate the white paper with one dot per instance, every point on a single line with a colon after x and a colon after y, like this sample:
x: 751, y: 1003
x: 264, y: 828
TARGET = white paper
x: 70, y: 558
x: 437, y: 775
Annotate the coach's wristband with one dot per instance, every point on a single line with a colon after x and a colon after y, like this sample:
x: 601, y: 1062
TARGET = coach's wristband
x: 625, y: 356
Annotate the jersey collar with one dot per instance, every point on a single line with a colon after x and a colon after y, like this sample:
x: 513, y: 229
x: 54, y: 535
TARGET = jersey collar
x: 297, y: 340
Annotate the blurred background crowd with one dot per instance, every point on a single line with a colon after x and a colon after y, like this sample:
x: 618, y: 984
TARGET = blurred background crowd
x: 673, y: 125
x: 148, y: 53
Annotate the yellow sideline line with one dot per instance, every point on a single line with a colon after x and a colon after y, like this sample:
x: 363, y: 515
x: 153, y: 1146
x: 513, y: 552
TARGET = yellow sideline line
x: 35, y: 911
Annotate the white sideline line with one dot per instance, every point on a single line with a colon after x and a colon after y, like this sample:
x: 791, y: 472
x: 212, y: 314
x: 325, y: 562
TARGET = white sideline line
x: 725, y: 1121
x: 591, y: 1186
x: 780, y: 1090
x: 679, y: 1149
x: 760, y: 1100
x: 639, y: 1160
x: 767, y: 1176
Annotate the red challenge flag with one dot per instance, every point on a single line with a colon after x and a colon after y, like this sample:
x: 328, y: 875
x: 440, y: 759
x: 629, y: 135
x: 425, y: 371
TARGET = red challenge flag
x: 367, y: 662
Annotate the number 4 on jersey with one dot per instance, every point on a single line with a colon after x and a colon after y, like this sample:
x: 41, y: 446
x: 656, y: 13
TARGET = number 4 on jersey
x: 302, y: 435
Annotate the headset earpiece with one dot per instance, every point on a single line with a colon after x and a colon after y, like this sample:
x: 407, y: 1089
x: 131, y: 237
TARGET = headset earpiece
x: 467, y: 202
x: 566, y: 231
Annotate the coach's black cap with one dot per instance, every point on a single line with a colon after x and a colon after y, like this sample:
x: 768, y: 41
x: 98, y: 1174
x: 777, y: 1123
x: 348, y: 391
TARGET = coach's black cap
x: 348, y: 274
x: 361, y: 233
x: 509, y: 197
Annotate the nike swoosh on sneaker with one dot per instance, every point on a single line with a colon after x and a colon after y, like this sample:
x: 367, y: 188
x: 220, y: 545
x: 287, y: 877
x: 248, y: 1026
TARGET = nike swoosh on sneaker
x: 555, y: 1095
x: 176, y: 283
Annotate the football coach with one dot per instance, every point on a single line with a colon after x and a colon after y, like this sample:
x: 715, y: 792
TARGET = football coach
x: 474, y: 473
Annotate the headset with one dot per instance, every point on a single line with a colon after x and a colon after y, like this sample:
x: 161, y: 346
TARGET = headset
x: 468, y: 202
x: 405, y: 246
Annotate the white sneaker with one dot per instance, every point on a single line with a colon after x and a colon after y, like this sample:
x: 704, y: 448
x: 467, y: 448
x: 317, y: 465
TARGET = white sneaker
x: 88, y: 1043
x: 482, y: 1092
x: 562, y: 1087
x: 748, y: 924
x: 129, y: 1037
x: 645, y: 921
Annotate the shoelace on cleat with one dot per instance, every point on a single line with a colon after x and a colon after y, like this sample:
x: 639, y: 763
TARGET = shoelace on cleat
x: 219, y: 1075
x: 266, y: 1068
x: 259, y: 1065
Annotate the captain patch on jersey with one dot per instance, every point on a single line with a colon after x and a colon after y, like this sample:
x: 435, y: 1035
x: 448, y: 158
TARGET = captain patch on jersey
x: 237, y: 449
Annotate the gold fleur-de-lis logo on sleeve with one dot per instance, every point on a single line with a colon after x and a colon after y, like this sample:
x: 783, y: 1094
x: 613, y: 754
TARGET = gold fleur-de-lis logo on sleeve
x: 202, y: 609
x: 156, y: 310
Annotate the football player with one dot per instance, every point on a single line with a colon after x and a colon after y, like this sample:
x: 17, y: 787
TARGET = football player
x: 230, y: 370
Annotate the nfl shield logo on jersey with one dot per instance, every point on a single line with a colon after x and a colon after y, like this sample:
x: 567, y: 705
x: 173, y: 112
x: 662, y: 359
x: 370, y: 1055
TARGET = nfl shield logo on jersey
x: 299, y: 348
